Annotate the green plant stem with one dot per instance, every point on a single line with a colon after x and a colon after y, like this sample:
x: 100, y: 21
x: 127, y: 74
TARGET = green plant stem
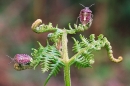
x: 67, y: 79
x: 64, y: 46
x: 74, y: 57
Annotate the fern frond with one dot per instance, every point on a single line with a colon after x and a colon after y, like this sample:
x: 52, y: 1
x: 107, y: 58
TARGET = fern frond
x: 55, y: 68
x: 43, y: 56
x: 85, y: 48
x: 76, y: 46
x: 45, y: 65
x: 110, y: 52
x: 92, y: 38
x: 36, y: 56
x: 36, y: 27
x: 54, y: 37
x: 84, y: 60
x: 51, y: 53
x: 84, y: 42
x: 77, y: 28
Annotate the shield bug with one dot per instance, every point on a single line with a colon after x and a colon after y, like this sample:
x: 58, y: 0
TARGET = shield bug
x: 22, y: 59
x: 86, y: 15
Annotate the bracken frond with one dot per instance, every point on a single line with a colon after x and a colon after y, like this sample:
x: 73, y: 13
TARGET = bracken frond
x: 86, y: 46
x: 55, y: 66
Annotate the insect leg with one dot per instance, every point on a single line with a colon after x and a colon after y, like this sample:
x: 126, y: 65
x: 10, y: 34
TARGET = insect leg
x: 77, y: 20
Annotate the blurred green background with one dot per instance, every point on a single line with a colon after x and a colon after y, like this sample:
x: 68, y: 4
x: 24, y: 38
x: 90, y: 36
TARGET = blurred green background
x: 111, y: 18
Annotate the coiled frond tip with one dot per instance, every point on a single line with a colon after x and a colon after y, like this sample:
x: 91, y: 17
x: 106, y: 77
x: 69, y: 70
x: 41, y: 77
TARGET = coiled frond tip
x: 117, y: 60
x: 36, y: 23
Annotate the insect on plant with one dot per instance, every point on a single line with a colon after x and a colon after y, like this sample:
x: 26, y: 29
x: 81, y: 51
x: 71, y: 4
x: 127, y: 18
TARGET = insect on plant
x: 85, y: 15
x: 53, y: 57
x: 21, y: 61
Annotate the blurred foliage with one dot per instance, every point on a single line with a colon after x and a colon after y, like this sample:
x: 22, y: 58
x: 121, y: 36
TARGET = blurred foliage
x: 111, y: 18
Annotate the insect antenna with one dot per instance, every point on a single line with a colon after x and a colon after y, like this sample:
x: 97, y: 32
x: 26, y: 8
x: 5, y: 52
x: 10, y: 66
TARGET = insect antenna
x: 91, y: 5
x: 82, y: 5
x: 11, y: 59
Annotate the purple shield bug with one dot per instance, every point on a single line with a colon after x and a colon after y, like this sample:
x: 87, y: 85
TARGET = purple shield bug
x: 86, y: 15
x: 22, y: 59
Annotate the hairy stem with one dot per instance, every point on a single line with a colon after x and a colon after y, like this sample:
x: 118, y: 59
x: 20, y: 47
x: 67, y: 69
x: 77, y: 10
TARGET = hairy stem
x: 64, y: 47
x: 74, y: 57
x: 67, y: 79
